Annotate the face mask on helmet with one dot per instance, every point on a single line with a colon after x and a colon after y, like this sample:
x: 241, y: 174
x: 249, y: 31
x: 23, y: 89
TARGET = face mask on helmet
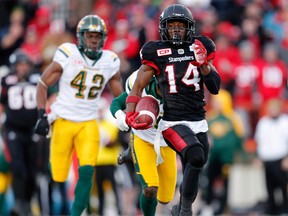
x: 20, y: 64
x: 177, y: 13
x: 91, y: 23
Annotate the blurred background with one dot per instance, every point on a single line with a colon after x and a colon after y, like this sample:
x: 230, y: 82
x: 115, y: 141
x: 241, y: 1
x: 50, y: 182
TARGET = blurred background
x: 251, y: 38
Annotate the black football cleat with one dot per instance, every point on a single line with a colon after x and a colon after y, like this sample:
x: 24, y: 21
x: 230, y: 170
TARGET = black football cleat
x: 125, y: 157
x: 185, y: 213
x: 175, y: 210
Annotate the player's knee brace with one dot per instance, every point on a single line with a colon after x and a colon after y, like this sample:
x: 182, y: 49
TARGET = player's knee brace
x: 150, y: 192
x: 195, y: 156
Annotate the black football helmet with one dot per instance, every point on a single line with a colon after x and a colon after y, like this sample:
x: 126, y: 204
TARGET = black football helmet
x: 15, y: 59
x: 18, y: 56
x: 91, y: 23
x: 177, y: 12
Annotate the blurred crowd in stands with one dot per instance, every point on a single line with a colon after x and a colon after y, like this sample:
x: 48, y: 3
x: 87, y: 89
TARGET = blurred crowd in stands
x: 251, y: 38
x: 246, y: 32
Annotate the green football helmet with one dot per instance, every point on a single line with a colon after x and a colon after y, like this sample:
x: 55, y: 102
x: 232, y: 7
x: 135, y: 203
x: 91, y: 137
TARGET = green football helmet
x: 91, y: 23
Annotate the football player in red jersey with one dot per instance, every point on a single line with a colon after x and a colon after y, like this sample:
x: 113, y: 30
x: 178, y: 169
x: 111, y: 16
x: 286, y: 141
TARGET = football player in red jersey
x: 182, y: 64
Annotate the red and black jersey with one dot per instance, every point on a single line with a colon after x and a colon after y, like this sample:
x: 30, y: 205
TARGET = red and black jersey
x: 19, y: 100
x: 180, y: 82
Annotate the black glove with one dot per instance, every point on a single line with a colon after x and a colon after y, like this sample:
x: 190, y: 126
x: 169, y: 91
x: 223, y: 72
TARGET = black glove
x: 42, y: 125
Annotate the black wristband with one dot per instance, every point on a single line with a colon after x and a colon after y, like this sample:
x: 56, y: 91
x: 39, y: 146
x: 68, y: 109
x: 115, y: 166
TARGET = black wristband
x: 41, y: 113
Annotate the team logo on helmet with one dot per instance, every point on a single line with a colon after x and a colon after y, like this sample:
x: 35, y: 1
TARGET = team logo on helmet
x: 91, y: 23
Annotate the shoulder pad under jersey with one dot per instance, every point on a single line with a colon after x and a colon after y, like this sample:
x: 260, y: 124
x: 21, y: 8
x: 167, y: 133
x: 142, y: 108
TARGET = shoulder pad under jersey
x: 66, y: 49
x: 64, y: 53
x: 130, y: 81
x: 149, y: 50
x: 110, y: 55
x: 110, y: 58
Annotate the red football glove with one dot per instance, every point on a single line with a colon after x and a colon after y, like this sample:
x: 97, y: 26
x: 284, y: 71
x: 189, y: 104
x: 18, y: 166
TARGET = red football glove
x: 131, y: 120
x: 200, y: 53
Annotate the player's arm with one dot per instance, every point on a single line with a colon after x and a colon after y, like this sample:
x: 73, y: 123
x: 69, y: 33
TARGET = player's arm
x: 118, y: 103
x: 49, y: 77
x: 211, y: 77
x: 117, y: 106
x: 3, y: 101
x: 143, y: 78
x: 204, y: 50
x: 115, y: 84
x: 2, y: 117
x: 51, y: 74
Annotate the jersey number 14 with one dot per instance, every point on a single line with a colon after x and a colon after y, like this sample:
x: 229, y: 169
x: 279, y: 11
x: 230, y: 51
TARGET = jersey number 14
x: 190, y: 78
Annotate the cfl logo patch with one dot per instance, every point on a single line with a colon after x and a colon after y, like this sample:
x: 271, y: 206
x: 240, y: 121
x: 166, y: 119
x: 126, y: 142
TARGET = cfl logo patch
x: 163, y: 52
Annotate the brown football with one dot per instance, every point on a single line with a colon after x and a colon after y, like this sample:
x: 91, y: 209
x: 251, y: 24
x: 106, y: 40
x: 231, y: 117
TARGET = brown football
x: 148, y: 109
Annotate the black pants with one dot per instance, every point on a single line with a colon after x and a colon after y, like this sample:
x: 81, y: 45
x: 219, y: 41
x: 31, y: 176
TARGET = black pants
x: 106, y: 172
x: 214, y: 172
x: 23, y: 164
x: 276, y: 179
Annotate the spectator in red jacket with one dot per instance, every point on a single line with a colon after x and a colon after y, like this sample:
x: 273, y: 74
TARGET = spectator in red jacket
x: 272, y: 77
x: 246, y: 73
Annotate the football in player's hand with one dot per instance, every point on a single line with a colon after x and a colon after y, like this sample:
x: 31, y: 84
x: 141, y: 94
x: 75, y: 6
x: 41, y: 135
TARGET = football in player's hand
x: 148, y: 109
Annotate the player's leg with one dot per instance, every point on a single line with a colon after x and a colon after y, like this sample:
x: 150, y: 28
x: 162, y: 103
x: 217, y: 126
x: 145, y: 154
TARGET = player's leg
x: 5, y: 180
x: 144, y: 158
x: 167, y: 172
x: 196, y: 155
x: 16, y: 146
x: 100, y: 176
x: 111, y: 177
x: 30, y: 163
x: 182, y: 139
x: 87, y: 144
x: 61, y: 149
x: 126, y: 155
